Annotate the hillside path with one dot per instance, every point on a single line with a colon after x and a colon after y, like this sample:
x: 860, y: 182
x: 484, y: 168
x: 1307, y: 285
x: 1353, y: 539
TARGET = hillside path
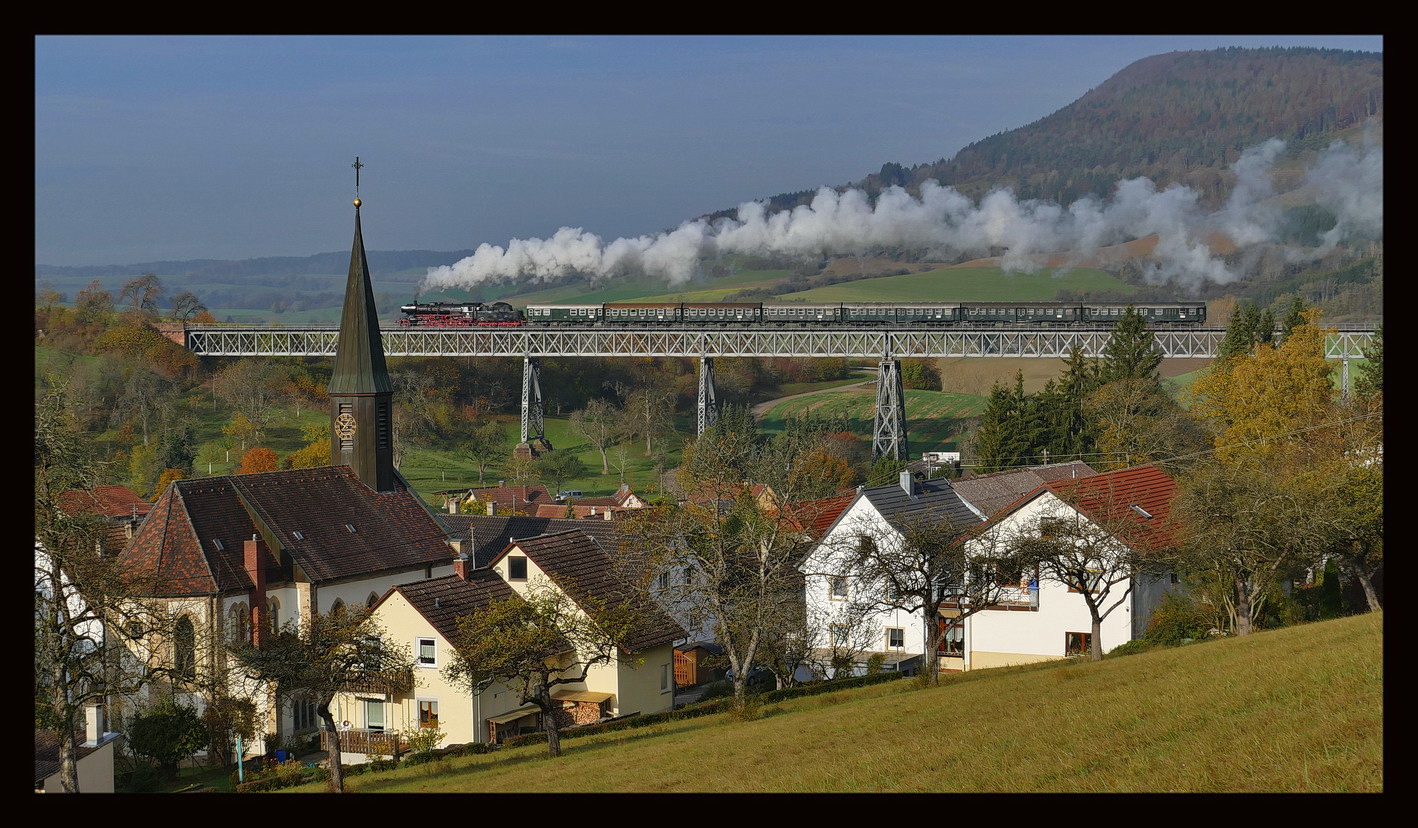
x: 762, y: 408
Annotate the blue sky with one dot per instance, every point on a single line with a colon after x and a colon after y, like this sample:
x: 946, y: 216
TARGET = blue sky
x: 224, y: 147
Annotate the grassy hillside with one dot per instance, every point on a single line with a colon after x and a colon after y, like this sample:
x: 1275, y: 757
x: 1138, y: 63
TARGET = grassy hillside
x: 977, y: 284
x: 1298, y: 709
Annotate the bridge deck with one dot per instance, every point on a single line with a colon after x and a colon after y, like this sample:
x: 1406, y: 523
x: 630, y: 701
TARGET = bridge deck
x: 746, y: 341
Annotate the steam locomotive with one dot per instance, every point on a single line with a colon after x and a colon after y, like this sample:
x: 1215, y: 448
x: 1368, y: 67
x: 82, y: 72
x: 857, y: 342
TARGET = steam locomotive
x: 456, y: 315
x: 930, y: 314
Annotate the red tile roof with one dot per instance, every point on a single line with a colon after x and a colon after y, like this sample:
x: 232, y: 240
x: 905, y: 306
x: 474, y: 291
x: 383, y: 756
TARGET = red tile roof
x: 444, y: 600
x: 115, y: 502
x: 1109, y: 499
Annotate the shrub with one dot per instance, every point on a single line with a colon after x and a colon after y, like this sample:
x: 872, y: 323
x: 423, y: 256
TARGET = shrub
x: 1177, y: 620
x: 167, y: 732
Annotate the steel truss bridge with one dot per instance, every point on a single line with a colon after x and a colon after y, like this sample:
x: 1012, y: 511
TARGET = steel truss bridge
x: 889, y: 345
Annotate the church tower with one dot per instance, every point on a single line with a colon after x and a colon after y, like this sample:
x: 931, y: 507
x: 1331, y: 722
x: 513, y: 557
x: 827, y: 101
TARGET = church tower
x: 361, y: 395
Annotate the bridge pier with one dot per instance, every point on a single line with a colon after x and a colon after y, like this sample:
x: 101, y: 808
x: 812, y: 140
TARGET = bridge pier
x: 533, y: 411
x: 889, y: 427
x: 708, y: 408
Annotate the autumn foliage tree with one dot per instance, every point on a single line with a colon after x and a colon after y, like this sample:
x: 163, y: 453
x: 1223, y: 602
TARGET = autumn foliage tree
x: 257, y: 460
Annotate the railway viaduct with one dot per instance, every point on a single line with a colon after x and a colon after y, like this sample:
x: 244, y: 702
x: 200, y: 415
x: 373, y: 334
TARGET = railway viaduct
x: 889, y: 345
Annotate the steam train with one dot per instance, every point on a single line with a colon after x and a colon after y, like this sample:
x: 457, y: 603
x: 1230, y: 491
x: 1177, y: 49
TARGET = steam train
x: 929, y: 314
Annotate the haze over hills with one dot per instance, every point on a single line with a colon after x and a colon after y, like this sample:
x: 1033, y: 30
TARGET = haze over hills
x: 1221, y: 163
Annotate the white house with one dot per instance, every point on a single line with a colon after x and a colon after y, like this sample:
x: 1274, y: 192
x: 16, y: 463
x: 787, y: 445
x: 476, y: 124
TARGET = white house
x: 832, y: 594
x: 1116, y: 513
x: 1036, y: 619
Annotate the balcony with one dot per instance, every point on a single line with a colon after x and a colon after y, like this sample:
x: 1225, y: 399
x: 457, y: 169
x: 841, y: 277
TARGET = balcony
x: 369, y: 742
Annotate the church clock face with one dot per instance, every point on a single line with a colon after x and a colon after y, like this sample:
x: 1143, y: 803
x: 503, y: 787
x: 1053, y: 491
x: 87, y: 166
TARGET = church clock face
x: 345, y: 426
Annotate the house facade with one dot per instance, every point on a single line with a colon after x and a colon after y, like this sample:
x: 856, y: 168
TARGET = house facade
x: 844, y: 626
x: 1034, y: 618
x: 1123, y: 512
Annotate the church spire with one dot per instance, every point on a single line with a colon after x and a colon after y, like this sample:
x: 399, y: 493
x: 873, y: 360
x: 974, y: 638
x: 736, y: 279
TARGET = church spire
x: 360, y: 390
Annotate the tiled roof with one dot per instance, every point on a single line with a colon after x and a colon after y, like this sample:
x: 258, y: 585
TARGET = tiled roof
x: 512, y: 498
x: 928, y: 498
x: 114, y: 502
x: 578, y: 565
x: 991, y: 492
x: 815, y: 517
x: 1109, y: 500
x: 484, y: 537
x: 46, y: 753
x: 332, y: 525
x: 444, y: 600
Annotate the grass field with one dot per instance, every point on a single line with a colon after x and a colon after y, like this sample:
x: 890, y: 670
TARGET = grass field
x: 958, y: 284
x: 1292, y: 710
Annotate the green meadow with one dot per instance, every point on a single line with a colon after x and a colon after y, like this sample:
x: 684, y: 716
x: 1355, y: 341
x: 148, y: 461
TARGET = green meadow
x: 1293, y: 710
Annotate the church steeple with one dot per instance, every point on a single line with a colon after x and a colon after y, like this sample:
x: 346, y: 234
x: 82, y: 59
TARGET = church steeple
x: 361, y: 395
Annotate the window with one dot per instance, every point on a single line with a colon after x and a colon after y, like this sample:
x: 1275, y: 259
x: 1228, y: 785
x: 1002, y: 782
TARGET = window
x: 427, y: 652
x: 841, y: 635
x: 895, y: 638
x: 239, y: 626
x: 303, y: 711
x: 374, y: 715
x: 184, y: 648
x: 1092, y: 577
x: 837, y: 587
x: 666, y: 682
x: 952, y: 637
x: 273, y: 615
x: 1077, y: 644
x: 338, y: 608
x: 371, y: 600
x: 428, y: 713
x: 516, y: 568
x: 665, y: 580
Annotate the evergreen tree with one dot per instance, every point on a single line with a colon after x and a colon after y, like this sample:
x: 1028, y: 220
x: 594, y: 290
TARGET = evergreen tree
x: 1240, y: 334
x: 1369, y: 385
x: 1294, y: 318
x: 1132, y: 351
x: 1003, y: 440
x: 1265, y: 328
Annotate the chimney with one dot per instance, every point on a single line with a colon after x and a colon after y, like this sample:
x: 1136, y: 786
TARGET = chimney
x: 255, y: 559
x: 491, y: 508
x: 906, y: 484
x: 461, y: 565
x: 93, y: 725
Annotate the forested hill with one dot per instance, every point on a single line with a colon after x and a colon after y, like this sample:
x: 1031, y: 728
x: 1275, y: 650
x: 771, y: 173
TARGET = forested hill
x: 1180, y: 117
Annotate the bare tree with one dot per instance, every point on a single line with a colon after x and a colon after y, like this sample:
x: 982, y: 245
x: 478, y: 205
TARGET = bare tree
x: 534, y: 643
x: 602, y: 424
x: 922, y: 564
x: 144, y: 291
x: 324, y: 656
x: 84, y: 615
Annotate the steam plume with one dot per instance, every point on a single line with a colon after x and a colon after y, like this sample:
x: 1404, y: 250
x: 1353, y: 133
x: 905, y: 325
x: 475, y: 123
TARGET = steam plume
x: 1347, y: 180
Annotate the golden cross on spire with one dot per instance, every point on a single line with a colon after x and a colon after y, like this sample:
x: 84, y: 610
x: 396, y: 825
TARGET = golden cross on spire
x: 357, y: 166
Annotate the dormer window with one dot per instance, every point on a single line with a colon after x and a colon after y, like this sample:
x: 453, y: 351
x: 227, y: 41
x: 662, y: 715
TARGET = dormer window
x: 516, y: 568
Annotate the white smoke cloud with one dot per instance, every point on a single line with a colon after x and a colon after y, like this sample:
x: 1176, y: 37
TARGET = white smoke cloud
x: 1347, y: 180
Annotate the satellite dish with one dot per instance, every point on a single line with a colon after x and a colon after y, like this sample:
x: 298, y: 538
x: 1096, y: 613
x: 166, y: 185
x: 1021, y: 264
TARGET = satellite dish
x: 345, y: 725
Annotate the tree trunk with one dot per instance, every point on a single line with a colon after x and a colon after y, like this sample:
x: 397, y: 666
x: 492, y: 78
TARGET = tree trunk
x: 1370, y: 594
x: 337, y: 776
x: 1095, y: 641
x: 1243, y: 606
x: 548, y: 707
x: 68, y: 760
x: 930, y: 659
